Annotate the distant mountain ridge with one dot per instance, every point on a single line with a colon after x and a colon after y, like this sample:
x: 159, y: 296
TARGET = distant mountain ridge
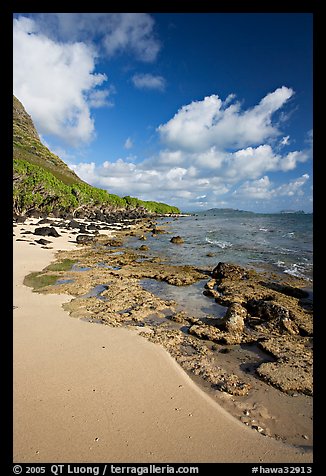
x: 224, y: 211
x: 227, y: 211
x: 43, y: 183
x: 297, y: 212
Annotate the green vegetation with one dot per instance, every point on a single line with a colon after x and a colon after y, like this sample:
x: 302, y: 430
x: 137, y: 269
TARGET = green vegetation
x: 37, y: 188
x: 154, y: 207
x: 38, y: 280
x: 42, y: 181
x: 27, y: 146
x: 64, y: 265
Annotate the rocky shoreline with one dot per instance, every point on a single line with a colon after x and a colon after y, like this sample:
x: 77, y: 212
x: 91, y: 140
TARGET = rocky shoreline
x: 270, y: 313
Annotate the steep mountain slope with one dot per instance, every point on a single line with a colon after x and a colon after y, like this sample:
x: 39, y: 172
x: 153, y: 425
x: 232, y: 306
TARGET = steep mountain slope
x: 44, y: 183
x: 28, y: 146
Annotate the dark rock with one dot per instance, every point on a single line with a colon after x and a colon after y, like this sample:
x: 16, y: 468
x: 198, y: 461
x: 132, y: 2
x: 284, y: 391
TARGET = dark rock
x: 92, y: 226
x: 105, y: 227
x: 158, y: 231
x: 267, y: 310
x: 60, y: 224
x: 80, y: 214
x: 42, y: 241
x: 225, y: 350
x: 84, y: 239
x: 143, y: 248
x: 57, y: 213
x: 35, y: 214
x: 20, y: 218
x: 46, y: 231
x: 74, y: 224
x: 101, y: 216
x: 229, y: 271
x: 212, y: 293
x: 177, y: 240
x: 44, y: 221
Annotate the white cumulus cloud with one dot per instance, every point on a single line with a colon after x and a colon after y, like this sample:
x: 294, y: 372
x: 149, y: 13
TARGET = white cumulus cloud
x: 148, y: 81
x: 54, y: 66
x: 54, y: 81
x: 116, y: 32
x: 207, y: 160
x: 203, y: 124
x: 264, y: 189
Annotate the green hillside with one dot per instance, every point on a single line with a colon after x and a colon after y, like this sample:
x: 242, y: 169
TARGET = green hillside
x: 43, y: 182
x: 27, y: 146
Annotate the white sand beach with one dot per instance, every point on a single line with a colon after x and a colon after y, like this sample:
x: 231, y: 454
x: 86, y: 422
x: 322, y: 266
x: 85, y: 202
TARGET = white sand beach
x: 86, y: 392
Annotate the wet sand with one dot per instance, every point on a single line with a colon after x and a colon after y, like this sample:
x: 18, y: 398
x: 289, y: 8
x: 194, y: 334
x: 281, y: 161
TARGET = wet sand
x: 85, y: 392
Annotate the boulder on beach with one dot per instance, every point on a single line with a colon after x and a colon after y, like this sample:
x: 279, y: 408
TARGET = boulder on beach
x: 42, y: 241
x: 44, y: 221
x: 74, y: 224
x: 229, y: 271
x: 93, y: 227
x: 158, y: 231
x: 46, y: 231
x: 267, y: 310
x: 233, y: 322
x: 19, y: 218
x: 177, y: 240
x: 84, y: 239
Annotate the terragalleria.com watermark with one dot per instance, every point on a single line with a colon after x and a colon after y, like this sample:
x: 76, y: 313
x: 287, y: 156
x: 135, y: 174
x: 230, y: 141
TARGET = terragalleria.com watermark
x: 58, y: 469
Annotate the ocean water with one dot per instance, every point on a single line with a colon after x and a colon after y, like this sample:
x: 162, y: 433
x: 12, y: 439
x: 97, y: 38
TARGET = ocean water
x: 280, y: 243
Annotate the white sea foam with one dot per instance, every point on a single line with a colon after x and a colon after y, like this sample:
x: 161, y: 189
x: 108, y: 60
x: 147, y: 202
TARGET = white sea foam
x: 287, y: 250
x: 290, y: 234
x: 280, y: 264
x: 294, y: 270
x: 220, y: 244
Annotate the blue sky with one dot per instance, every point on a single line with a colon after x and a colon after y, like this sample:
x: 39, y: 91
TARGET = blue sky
x: 196, y: 110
